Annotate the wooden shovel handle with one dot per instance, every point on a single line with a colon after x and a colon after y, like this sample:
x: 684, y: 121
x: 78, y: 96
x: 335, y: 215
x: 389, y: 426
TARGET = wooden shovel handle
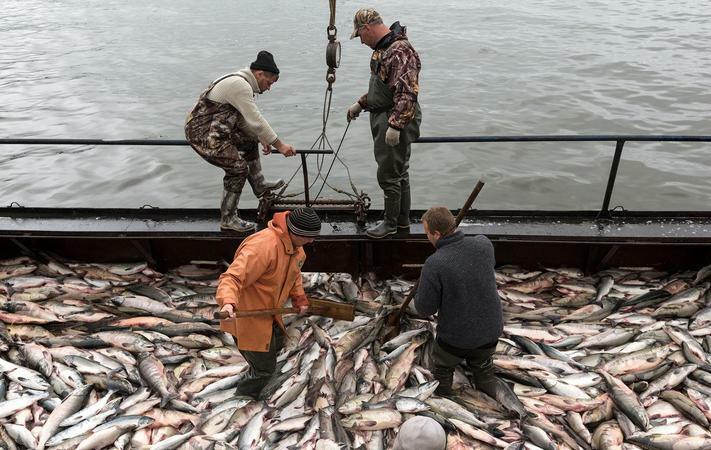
x: 257, y: 312
x: 316, y: 307
x: 460, y: 217
x: 465, y: 209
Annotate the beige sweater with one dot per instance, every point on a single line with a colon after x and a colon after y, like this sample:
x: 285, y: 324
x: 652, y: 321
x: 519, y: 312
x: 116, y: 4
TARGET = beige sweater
x: 239, y: 91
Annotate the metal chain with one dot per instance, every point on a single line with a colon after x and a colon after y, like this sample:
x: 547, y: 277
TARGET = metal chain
x: 336, y: 157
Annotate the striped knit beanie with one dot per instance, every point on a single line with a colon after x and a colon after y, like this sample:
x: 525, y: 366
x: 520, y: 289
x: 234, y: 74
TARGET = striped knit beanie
x: 304, y: 222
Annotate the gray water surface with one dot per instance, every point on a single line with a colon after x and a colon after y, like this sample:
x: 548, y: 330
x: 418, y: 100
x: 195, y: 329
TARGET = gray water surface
x: 132, y: 70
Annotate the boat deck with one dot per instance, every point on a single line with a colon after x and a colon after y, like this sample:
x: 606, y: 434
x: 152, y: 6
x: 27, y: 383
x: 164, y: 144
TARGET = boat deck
x: 528, y: 238
x: 655, y: 227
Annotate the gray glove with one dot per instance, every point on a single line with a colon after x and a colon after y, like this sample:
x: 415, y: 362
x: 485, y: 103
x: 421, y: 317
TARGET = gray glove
x: 354, y: 111
x: 392, y: 137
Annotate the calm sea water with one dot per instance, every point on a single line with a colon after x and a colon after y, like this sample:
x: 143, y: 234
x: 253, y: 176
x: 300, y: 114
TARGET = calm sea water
x: 132, y: 69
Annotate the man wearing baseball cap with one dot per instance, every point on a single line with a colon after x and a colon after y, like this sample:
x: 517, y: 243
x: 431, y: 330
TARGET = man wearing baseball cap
x: 225, y: 128
x: 395, y: 114
x: 265, y: 272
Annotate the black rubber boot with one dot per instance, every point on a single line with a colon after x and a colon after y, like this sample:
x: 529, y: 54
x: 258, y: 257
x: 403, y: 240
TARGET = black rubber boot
x: 260, y: 186
x: 445, y: 376
x: 381, y: 230
x: 229, y: 213
x: 403, y: 219
x: 388, y: 226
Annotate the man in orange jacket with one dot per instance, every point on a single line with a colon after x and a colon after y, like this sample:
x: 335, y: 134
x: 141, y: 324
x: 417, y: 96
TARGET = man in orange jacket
x: 266, y: 270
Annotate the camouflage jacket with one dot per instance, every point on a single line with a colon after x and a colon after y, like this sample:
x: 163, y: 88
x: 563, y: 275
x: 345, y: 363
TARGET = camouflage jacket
x: 397, y: 64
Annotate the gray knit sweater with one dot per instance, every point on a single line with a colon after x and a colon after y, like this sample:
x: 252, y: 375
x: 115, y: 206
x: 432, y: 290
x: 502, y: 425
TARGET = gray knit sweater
x: 459, y: 283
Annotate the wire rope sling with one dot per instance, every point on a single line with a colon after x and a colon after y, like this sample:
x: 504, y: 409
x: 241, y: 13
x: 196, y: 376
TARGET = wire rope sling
x: 357, y: 201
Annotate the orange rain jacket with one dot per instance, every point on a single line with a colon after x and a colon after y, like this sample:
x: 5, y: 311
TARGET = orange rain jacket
x: 266, y: 271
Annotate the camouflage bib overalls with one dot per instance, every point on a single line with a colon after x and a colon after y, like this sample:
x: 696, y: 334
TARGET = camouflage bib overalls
x: 212, y: 131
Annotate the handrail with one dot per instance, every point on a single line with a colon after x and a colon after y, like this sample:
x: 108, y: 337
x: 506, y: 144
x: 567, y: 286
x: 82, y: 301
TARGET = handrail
x: 603, y: 214
x: 421, y: 140
x: 156, y: 142
x: 136, y: 142
x: 563, y: 138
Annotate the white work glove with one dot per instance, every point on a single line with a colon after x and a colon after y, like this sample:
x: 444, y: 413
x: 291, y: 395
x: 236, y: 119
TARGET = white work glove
x: 354, y: 111
x: 392, y: 137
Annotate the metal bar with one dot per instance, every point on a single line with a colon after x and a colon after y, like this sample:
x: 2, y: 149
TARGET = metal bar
x: 603, y: 214
x: 165, y: 142
x: 308, y: 152
x: 321, y: 201
x: 422, y: 140
x: 305, y: 169
x: 134, y: 142
x: 328, y: 208
x: 562, y: 138
x: 192, y: 214
x: 605, y: 210
x: 334, y: 208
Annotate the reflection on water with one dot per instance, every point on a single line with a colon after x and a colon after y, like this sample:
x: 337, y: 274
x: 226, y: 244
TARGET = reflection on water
x: 132, y: 69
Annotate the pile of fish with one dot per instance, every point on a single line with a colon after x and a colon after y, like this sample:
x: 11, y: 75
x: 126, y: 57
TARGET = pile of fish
x: 119, y: 355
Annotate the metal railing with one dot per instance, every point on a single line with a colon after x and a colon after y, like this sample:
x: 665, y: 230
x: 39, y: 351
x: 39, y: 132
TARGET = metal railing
x: 156, y: 142
x: 619, y: 140
x: 604, y: 212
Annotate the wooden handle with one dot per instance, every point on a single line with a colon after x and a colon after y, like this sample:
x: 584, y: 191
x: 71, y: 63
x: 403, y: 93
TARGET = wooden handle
x: 317, y: 306
x: 468, y: 204
x: 460, y: 217
x: 221, y: 315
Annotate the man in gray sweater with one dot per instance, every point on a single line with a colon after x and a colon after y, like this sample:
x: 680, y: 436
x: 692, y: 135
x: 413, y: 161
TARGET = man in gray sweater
x: 458, y: 282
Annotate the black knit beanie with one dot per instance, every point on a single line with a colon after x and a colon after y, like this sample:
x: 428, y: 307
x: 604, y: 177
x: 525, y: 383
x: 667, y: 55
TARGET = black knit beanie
x: 304, y: 222
x: 265, y: 61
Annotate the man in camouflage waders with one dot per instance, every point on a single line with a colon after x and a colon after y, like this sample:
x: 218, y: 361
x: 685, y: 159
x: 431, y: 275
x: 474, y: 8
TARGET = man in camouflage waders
x: 225, y: 127
x: 395, y: 115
